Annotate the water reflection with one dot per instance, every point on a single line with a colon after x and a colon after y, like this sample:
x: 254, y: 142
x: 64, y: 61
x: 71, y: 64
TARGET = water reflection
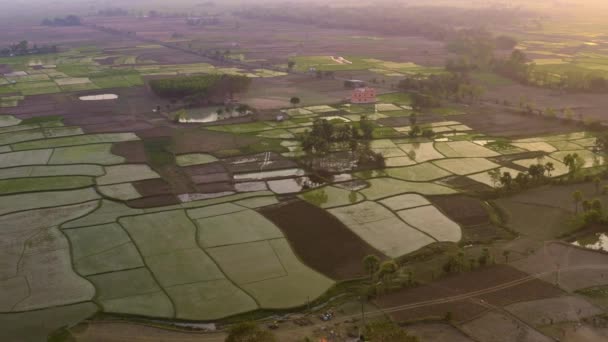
x: 596, y: 241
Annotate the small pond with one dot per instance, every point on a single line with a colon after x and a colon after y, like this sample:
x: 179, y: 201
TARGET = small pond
x: 595, y: 241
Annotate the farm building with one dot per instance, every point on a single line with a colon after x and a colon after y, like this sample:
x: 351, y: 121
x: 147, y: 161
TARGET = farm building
x: 363, y: 95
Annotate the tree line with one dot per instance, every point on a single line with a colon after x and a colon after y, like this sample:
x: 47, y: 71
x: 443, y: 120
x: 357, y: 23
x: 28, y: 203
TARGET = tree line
x: 325, y: 137
x: 202, y: 89
x: 427, y: 92
x: 68, y: 20
x: 24, y: 48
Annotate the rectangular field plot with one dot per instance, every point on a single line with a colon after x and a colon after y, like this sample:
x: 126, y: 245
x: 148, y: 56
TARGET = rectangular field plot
x: 87, y: 154
x: 466, y: 166
x: 183, y: 267
x: 8, y: 120
x: 239, y: 227
x: 209, y: 300
x: 161, y: 233
x: 214, y: 210
x: 194, y: 159
x: 301, y: 284
x: 38, y: 157
x: 46, y: 171
x: 15, y: 137
x: 47, y: 266
x: 75, y: 140
x: 381, y: 228
x: 248, y: 262
x: 467, y: 149
x: 104, y: 248
x: 431, y: 221
x: 132, y: 292
x: 387, y: 187
x: 535, y: 146
x: 566, y: 146
x: 421, y: 152
x: 126, y: 173
x: 418, y: 173
x: 405, y: 201
x: 328, y: 197
x: 122, y: 192
x: 29, y: 201
x: 18, y: 185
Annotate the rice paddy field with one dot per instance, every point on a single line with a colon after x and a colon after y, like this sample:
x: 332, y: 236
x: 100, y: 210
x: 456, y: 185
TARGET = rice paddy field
x: 113, y: 208
x: 223, y: 247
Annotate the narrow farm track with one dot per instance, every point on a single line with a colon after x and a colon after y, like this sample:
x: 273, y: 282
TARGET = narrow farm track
x: 107, y: 336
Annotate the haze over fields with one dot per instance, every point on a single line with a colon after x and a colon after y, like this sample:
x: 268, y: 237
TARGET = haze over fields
x: 303, y: 171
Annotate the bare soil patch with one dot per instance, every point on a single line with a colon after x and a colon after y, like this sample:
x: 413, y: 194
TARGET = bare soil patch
x: 579, y: 268
x: 498, y: 121
x: 320, y: 239
x: 153, y: 201
x: 464, y: 210
x: 437, y: 332
x: 132, y: 151
x: 481, y: 279
x: 191, y: 141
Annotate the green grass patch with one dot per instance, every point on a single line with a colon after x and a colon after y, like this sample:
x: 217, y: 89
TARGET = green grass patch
x: 18, y: 185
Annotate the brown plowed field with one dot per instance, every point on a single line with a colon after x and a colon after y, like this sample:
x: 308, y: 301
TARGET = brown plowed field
x: 153, y: 201
x: 320, y: 239
x: 132, y: 151
x: 463, y: 309
x: 465, y: 210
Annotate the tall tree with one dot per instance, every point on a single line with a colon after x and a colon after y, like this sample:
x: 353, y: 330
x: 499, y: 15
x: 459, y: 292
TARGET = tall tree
x: 370, y: 264
x: 577, y: 197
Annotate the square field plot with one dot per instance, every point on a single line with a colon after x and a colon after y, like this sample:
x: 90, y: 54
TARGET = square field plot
x: 388, y: 187
x: 126, y: 173
x: 460, y: 149
x: 249, y: 262
x: 209, y: 300
x: 421, y: 152
x: 102, y: 248
x: 418, y: 173
x: 93, y: 154
x: 431, y: 221
x: 466, y: 166
x: 38, y: 157
x: 405, y: 202
x: 183, y: 267
x: 381, y: 228
x: 161, y: 233
x: 234, y: 228
x: 535, y: 146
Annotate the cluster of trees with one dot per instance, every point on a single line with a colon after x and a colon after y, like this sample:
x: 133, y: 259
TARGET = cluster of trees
x: 592, y: 210
x: 325, y: 137
x: 69, y: 20
x: 457, y: 263
x: 204, y: 89
x: 417, y: 131
x: 427, y: 92
x: 536, y: 174
x: 385, y: 275
x: 202, y: 21
x: 24, y: 48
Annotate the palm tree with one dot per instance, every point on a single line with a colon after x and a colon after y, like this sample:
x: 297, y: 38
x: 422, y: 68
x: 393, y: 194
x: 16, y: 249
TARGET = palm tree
x: 370, y: 263
x: 597, y: 182
x: 549, y: 167
x: 506, y: 255
x: 387, y: 270
x: 577, y: 197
